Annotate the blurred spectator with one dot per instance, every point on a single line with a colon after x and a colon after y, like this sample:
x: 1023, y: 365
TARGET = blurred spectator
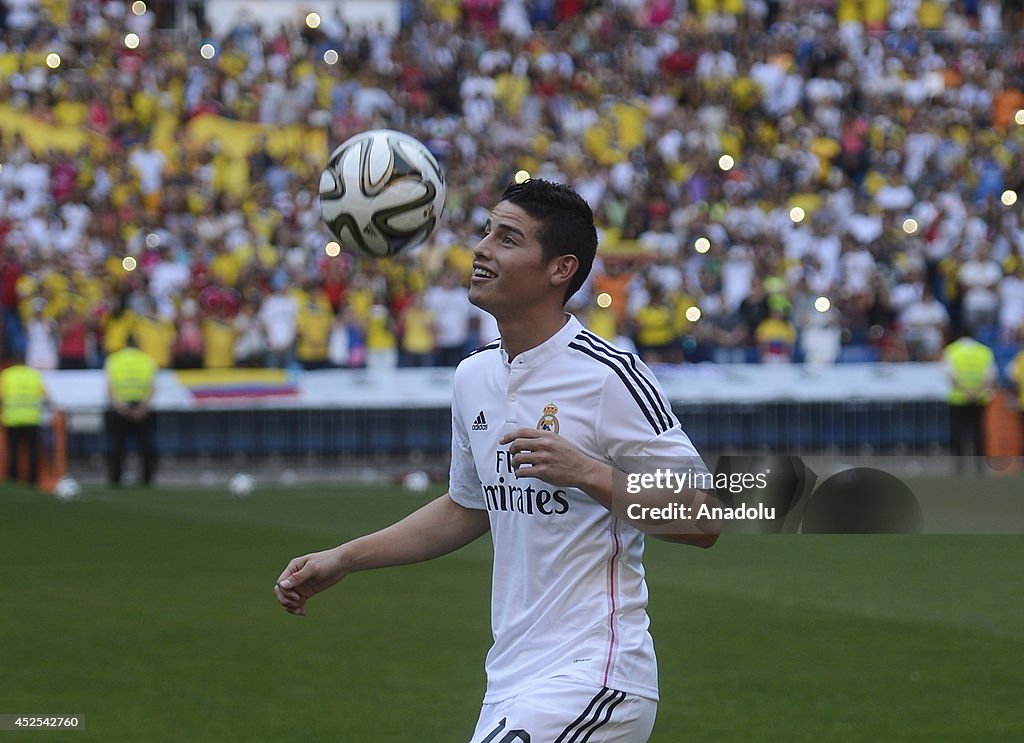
x: 278, y: 316
x: 754, y: 308
x: 117, y: 324
x: 448, y: 301
x: 149, y: 165
x: 600, y: 320
x: 655, y: 336
x: 21, y: 15
x: 725, y: 332
x: 346, y: 346
x: 925, y: 324
x: 1011, y: 303
x: 167, y: 279
x: 416, y: 330
x: 250, y: 343
x: 313, y: 329
x: 979, y: 279
x: 155, y: 335
x: 820, y: 337
x: 381, y: 344
x: 10, y: 272
x: 776, y: 338
x: 40, y: 338
x: 218, y: 337
x: 483, y: 327
x: 75, y: 337
x: 189, y: 346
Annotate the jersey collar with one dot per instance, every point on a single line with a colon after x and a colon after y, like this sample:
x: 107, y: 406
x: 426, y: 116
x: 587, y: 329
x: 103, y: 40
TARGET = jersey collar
x: 550, y: 348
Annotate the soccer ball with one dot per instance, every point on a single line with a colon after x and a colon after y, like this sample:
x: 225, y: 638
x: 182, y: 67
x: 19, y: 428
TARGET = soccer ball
x: 241, y: 485
x: 67, y: 489
x: 382, y: 192
x: 416, y: 482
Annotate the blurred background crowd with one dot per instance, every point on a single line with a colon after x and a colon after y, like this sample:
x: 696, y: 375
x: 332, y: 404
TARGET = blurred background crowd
x: 807, y: 181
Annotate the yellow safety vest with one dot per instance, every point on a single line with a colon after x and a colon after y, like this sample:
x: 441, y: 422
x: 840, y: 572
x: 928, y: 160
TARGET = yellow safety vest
x: 22, y: 391
x: 1017, y: 376
x: 970, y: 363
x: 130, y: 373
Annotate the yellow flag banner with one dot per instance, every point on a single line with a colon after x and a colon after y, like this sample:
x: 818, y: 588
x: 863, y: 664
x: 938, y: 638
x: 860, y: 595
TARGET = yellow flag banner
x: 236, y: 139
x: 239, y: 138
x: 41, y: 137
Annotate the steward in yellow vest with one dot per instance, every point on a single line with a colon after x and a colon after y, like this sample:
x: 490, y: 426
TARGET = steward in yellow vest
x: 1016, y: 372
x: 131, y: 380
x: 971, y: 368
x: 22, y: 397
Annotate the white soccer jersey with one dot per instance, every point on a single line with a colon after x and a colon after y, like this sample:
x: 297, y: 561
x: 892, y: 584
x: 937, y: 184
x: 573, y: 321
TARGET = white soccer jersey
x: 568, y: 590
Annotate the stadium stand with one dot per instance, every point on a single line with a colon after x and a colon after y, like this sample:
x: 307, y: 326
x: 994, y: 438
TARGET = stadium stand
x: 836, y: 179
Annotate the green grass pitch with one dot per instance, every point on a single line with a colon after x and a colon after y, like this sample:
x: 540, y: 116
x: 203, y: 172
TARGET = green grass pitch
x: 151, y: 613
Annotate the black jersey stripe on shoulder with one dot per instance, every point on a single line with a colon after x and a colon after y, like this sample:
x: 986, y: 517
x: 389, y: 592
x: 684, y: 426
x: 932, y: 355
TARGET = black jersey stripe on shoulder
x: 629, y: 359
x: 657, y: 425
x: 489, y: 347
x: 628, y: 362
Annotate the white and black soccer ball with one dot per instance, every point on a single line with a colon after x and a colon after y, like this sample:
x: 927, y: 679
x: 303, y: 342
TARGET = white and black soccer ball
x: 67, y: 489
x: 416, y: 482
x: 241, y: 485
x: 381, y: 192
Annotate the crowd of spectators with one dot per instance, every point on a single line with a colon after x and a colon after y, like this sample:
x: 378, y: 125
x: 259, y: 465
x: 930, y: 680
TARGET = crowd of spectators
x: 773, y: 181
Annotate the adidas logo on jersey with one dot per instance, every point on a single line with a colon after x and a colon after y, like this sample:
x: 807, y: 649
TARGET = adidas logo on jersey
x: 480, y: 424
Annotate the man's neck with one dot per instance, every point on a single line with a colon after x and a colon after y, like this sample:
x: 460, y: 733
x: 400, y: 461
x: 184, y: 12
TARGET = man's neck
x: 522, y: 334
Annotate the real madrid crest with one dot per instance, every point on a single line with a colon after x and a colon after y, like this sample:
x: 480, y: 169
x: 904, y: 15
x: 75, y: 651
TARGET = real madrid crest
x: 549, y: 421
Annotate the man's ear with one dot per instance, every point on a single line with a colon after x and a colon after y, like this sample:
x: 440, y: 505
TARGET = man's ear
x: 563, y: 268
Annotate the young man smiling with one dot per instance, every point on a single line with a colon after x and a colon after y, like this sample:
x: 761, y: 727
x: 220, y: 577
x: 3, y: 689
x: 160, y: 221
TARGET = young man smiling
x: 542, y: 422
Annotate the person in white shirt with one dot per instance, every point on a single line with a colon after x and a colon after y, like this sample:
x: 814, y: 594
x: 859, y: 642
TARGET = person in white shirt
x: 546, y: 424
x: 21, y: 14
x: 979, y: 279
x: 925, y: 324
x: 449, y: 302
x: 150, y: 165
x: 1011, y: 303
x: 278, y: 316
x: 40, y: 338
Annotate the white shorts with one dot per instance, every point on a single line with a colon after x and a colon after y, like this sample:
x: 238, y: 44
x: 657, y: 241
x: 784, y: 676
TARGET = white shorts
x: 564, y: 710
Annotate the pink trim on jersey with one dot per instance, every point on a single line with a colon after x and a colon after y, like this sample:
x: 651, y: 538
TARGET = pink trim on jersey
x: 611, y: 585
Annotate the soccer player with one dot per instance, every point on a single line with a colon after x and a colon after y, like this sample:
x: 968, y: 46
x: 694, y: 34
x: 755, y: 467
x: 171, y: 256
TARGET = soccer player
x: 544, y: 422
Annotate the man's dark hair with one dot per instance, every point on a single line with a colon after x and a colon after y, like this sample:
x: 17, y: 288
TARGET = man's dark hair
x: 566, y: 223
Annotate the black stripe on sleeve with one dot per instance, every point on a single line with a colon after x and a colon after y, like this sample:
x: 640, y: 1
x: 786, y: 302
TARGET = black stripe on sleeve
x: 569, y: 728
x: 628, y: 360
x: 488, y: 347
x: 617, y: 699
x: 648, y: 399
x: 658, y: 427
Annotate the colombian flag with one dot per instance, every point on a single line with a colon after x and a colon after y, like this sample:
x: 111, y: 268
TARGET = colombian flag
x: 237, y: 385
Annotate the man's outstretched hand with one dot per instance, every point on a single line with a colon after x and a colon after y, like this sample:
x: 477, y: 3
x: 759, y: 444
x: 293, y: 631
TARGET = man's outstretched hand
x: 307, y: 576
